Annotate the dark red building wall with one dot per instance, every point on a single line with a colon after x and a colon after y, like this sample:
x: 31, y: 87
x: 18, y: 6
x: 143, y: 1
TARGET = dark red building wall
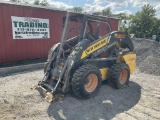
x: 23, y: 49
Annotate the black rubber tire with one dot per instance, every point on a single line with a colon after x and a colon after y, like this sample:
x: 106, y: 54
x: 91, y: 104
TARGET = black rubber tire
x: 114, y: 74
x: 79, y: 79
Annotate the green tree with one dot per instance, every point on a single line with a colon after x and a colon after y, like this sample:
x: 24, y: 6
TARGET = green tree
x: 125, y: 22
x: 156, y: 27
x: 97, y: 13
x: 20, y: 1
x: 15, y: 0
x: 77, y: 9
x: 107, y: 12
x: 122, y: 16
x: 69, y: 9
x: 44, y: 3
x: 26, y: 1
x: 41, y: 2
x: 142, y: 24
x: 36, y: 2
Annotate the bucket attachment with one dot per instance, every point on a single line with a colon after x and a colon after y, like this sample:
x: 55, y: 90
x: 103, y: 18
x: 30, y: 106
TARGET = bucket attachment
x: 47, y: 92
x: 49, y: 97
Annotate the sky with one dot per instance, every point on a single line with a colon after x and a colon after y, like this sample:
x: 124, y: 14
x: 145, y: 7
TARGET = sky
x: 117, y: 6
x: 99, y: 5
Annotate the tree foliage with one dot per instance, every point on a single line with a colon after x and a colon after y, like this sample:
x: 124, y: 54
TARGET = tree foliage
x: 36, y: 2
x: 44, y: 3
x: 41, y: 2
x: 97, y: 13
x: 144, y: 22
x: 156, y: 27
x: 15, y: 0
x: 107, y: 12
x: 77, y: 9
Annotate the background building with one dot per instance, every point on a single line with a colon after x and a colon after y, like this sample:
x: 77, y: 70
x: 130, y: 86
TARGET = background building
x: 17, y: 42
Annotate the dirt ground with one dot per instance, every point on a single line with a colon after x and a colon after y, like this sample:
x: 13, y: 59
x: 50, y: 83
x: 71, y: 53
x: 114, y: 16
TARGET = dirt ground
x: 140, y: 100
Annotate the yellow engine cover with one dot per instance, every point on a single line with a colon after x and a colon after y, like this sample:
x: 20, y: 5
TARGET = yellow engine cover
x: 130, y: 60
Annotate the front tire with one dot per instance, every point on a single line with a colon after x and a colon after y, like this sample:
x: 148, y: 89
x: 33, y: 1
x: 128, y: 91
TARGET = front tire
x: 119, y: 75
x: 86, y: 81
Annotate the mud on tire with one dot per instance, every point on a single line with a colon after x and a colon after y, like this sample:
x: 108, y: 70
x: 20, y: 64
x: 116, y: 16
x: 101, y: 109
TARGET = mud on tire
x: 86, y: 81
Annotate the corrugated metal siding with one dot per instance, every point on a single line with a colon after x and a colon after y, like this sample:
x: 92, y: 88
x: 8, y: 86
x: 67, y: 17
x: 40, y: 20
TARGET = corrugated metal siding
x: 22, y: 49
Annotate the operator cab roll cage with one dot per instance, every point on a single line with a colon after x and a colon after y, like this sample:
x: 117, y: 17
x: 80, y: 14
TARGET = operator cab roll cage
x: 85, y: 21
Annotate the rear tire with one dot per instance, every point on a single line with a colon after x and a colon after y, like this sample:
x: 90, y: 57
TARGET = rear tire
x: 119, y: 75
x: 86, y: 81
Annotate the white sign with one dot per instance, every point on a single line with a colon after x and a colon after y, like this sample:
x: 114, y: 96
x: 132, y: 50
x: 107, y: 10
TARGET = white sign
x: 30, y: 28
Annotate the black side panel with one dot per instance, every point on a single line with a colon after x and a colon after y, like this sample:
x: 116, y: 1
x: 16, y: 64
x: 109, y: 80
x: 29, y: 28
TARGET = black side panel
x: 124, y: 40
x: 102, y: 64
x: 127, y: 43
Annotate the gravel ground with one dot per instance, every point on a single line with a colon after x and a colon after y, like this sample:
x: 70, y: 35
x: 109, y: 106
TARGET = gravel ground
x: 148, y: 56
x: 140, y: 100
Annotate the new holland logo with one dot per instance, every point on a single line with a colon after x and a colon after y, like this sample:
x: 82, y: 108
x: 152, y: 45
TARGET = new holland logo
x: 96, y: 46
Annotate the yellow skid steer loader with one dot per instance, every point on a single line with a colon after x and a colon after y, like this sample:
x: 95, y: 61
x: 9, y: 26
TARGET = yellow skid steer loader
x: 86, y: 59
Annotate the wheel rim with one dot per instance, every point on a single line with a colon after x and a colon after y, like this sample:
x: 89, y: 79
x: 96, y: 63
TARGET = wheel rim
x: 92, y: 82
x: 123, y: 76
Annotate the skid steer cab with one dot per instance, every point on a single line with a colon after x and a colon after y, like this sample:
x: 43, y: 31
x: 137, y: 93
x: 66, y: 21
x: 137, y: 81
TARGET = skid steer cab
x: 89, y: 53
